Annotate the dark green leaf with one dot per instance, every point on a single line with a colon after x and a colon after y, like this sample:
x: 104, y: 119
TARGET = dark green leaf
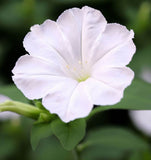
x: 145, y: 155
x: 99, y: 152
x: 111, y: 142
x: 69, y: 134
x: 8, y: 147
x: 137, y: 96
x: 135, y: 156
x: 116, y: 137
x: 13, y: 92
x: 38, y: 132
x: 50, y: 149
x: 141, y: 61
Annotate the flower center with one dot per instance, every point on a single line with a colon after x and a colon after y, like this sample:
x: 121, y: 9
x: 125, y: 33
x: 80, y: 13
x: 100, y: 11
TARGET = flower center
x: 83, y: 78
x: 79, y: 71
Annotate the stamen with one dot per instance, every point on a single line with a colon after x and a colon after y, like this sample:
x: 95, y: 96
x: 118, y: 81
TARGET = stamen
x: 67, y: 66
x: 79, y: 62
x: 78, y: 71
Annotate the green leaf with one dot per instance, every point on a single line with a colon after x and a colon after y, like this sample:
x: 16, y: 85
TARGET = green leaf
x: 8, y: 147
x: 115, y: 137
x: 101, y: 153
x: 141, y: 60
x: 13, y: 92
x: 38, y: 132
x: 136, y: 97
x: 50, y: 149
x: 69, y: 134
x: 145, y: 155
x: 110, y: 142
x: 135, y: 156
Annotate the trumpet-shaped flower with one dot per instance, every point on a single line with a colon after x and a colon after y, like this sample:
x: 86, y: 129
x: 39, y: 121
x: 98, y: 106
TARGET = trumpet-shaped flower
x: 76, y: 62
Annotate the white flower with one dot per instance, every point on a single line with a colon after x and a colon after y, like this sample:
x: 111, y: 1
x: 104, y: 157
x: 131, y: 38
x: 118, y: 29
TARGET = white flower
x: 7, y: 115
x: 76, y: 62
x: 142, y: 120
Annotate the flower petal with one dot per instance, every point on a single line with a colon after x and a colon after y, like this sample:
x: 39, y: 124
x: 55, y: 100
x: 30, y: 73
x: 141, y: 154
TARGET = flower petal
x: 114, y: 37
x: 37, y: 86
x: 69, y: 101
x: 118, y: 78
x: 94, y: 23
x: 118, y: 57
x: 70, y: 22
x: 46, y: 41
x: 82, y: 27
x: 37, y: 66
x: 101, y: 93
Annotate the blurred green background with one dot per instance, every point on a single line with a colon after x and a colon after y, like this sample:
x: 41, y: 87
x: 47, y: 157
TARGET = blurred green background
x: 16, y: 18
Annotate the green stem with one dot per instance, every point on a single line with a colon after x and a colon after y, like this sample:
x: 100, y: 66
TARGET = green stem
x: 23, y: 109
x: 75, y: 155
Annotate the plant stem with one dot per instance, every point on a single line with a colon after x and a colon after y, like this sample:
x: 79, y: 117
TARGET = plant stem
x: 75, y: 155
x: 23, y: 109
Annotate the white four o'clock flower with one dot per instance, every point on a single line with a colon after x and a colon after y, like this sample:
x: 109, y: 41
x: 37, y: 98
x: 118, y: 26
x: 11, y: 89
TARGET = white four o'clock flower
x: 76, y: 62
